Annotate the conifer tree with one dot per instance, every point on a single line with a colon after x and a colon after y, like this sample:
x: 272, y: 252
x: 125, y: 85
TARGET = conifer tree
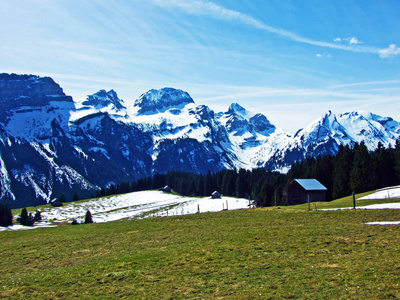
x: 75, y: 197
x: 30, y: 220
x: 23, y: 217
x: 361, y: 176
x: 266, y: 195
x: 62, y: 198
x: 38, y: 216
x: 241, y: 184
x: 396, y: 154
x: 209, y: 186
x: 341, y: 172
x: 88, y: 217
x: 5, y: 215
x: 384, y: 164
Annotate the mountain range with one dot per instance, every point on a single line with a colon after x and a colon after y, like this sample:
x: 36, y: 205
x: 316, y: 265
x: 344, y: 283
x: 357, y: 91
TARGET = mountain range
x: 52, y: 144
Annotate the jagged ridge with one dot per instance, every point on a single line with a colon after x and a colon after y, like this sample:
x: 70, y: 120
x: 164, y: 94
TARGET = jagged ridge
x: 51, y: 144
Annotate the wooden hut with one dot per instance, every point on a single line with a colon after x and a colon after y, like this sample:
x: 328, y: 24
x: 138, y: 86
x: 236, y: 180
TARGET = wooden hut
x: 216, y: 195
x: 301, y: 191
x: 165, y: 189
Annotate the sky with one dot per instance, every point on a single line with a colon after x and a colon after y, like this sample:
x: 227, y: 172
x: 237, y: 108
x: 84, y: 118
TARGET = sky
x: 291, y: 60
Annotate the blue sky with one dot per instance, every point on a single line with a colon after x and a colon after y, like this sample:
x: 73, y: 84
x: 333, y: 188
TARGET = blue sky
x: 290, y: 60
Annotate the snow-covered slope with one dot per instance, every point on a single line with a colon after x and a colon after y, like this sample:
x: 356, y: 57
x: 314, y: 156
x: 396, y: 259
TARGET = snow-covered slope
x: 52, y: 144
x: 324, y: 135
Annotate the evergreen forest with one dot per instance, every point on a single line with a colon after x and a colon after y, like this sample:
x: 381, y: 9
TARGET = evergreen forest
x: 353, y: 168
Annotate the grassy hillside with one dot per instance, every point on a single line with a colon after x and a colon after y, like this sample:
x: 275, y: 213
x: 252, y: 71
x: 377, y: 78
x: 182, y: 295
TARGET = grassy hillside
x: 286, y: 252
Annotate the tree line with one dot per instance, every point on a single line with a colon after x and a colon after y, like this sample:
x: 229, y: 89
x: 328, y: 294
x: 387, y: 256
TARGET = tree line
x: 353, y: 168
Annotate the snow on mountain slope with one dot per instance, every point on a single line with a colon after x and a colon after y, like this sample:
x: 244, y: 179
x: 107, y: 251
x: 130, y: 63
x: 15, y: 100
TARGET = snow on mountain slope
x: 349, y: 128
x: 324, y: 135
x: 5, y: 182
x: 101, y: 102
x: 370, y: 128
x: 156, y: 101
x: 250, y: 136
x: 51, y: 144
x: 33, y: 107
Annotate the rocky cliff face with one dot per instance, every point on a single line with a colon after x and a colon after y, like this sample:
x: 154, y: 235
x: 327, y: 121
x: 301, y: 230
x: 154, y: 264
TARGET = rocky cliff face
x: 51, y: 144
x: 14, y: 87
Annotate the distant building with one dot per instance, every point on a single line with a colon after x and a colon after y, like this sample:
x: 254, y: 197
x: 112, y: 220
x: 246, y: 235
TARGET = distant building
x: 56, y: 202
x: 301, y: 191
x: 216, y: 195
x: 165, y: 189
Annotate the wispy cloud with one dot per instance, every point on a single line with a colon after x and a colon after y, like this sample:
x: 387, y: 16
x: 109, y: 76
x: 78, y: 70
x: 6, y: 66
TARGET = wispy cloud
x: 391, y: 51
x: 350, y: 40
x: 210, y: 9
x: 319, y: 55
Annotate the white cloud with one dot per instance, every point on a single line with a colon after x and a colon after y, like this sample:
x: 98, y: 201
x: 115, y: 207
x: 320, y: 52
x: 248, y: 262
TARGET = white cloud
x: 354, y: 41
x: 210, y: 9
x: 350, y: 40
x: 391, y: 51
x: 319, y: 55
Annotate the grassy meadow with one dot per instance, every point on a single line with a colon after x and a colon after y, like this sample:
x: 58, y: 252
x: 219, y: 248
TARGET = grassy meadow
x: 263, y: 253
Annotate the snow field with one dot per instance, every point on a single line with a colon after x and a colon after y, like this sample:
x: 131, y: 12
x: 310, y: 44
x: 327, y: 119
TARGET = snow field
x: 139, y: 205
x: 158, y: 204
x: 385, y: 193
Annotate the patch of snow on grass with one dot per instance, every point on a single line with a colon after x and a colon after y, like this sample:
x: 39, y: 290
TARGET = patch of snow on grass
x: 384, y: 223
x: 22, y: 227
x: 386, y: 193
x: 372, y: 206
x: 139, y: 205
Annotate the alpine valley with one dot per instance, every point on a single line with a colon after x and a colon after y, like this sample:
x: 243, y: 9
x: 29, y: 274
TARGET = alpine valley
x: 52, y: 144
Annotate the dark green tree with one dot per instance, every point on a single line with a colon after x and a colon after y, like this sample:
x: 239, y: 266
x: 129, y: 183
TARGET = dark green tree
x: 384, y: 164
x: 228, y: 182
x: 266, y: 196
x: 5, y: 215
x: 341, y: 172
x: 200, y: 185
x: 396, y: 154
x: 75, y: 197
x: 62, y: 198
x: 241, y: 185
x: 88, y: 217
x: 362, y: 176
x: 38, y: 216
x: 30, y: 220
x: 209, y: 185
x: 23, y: 218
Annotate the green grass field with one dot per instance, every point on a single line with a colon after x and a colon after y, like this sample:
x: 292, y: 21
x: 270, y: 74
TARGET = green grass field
x: 266, y: 253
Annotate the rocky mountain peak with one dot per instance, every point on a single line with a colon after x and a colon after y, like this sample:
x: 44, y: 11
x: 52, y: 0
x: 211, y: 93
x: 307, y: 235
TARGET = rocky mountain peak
x: 50, y: 144
x: 155, y: 101
x: 103, y: 99
x: 13, y: 86
x: 261, y: 124
x: 235, y: 108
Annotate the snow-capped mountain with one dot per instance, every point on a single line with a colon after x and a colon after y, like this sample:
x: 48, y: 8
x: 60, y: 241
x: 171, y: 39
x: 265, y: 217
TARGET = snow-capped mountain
x: 51, y: 144
x: 156, y: 101
x: 324, y: 135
